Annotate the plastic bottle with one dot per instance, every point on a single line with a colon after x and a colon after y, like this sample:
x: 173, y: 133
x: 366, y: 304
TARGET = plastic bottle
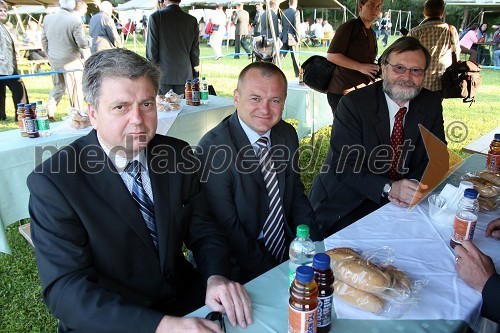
x: 42, y: 120
x: 21, y: 120
x: 493, y: 160
x: 323, y: 275
x: 188, y: 92
x: 30, y: 120
x: 303, y: 302
x: 465, y: 218
x: 204, y: 91
x: 301, y: 77
x: 196, y: 92
x: 301, y: 252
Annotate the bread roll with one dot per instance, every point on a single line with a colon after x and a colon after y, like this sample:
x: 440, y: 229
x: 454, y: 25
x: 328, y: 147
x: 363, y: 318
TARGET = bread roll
x: 487, y: 204
x: 342, y: 253
x: 399, y: 280
x: 358, y: 298
x: 491, y: 177
x: 363, y: 275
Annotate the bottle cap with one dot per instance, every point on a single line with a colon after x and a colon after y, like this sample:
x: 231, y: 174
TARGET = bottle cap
x: 470, y: 193
x: 203, y: 78
x: 497, y: 136
x: 303, y: 231
x: 20, y: 105
x: 304, y: 274
x: 321, y: 261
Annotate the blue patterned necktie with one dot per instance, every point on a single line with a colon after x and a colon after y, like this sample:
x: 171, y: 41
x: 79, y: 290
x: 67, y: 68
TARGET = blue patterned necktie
x: 274, y: 235
x: 145, y: 204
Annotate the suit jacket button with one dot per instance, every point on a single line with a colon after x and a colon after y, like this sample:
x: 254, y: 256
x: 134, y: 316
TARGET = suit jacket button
x: 338, y: 217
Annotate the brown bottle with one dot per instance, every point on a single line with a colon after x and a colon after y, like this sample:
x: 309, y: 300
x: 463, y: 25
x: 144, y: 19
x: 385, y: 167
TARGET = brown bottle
x: 30, y: 120
x: 323, y: 275
x: 493, y: 159
x: 21, y: 122
x: 303, y: 302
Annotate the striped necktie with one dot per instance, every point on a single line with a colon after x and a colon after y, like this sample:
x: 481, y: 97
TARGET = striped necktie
x: 274, y: 235
x: 397, y: 144
x: 145, y: 204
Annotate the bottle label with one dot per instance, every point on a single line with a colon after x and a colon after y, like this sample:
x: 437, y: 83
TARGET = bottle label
x: 301, y: 321
x: 196, y: 97
x: 493, y: 163
x: 43, y: 124
x: 31, y: 126
x: 204, y: 95
x: 463, y: 229
x: 325, y: 305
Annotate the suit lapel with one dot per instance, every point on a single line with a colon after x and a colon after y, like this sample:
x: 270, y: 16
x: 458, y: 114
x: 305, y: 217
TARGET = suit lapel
x: 121, y: 200
x: 382, y: 126
x: 246, y: 160
x: 414, y: 116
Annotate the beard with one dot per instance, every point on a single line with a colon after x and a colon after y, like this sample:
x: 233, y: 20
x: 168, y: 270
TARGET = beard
x: 396, y: 93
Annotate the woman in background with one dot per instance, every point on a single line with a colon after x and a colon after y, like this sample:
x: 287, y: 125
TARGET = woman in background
x: 468, y: 40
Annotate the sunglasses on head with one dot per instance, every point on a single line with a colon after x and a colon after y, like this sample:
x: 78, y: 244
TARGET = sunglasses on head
x: 218, y: 317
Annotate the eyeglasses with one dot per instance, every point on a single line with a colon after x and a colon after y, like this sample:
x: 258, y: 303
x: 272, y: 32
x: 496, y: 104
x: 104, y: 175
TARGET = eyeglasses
x: 217, y: 316
x: 399, y: 69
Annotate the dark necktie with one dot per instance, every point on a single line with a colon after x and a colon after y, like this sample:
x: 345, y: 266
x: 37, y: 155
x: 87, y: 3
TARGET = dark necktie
x: 274, y: 235
x: 144, y: 202
x: 396, y: 144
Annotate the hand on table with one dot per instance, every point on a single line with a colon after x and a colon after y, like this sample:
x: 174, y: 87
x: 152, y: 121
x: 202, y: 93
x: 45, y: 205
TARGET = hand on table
x: 231, y: 298
x: 473, y: 266
x: 170, y: 324
x: 403, y: 191
x: 493, y: 229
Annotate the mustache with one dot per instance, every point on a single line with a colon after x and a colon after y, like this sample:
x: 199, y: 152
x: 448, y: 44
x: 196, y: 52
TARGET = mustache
x: 405, y: 83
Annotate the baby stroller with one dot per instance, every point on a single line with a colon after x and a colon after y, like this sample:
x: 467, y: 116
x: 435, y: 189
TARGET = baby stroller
x: 265, y: 49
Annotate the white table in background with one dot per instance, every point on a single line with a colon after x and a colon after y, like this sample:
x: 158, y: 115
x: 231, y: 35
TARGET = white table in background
x: 20, y: 155
x: 309, y: 107
x: 481, y: 145
x: 446, y: 303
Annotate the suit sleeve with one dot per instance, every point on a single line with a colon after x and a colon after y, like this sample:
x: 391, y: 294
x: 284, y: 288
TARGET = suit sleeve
x: 195, y: 49
x: 79, y: 37
x: 219, y: 188
x: 491, y: 299
x: 65, y: 265
x: 152, y: 44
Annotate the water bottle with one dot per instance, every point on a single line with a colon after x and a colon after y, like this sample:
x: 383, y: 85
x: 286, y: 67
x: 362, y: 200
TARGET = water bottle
x: 323, y: 275
x: 301, y: 252
x: 465, y: 218
x: 303, y: 302
x: 42, y: 120
x: 493, y: 159
x: 204, y: 91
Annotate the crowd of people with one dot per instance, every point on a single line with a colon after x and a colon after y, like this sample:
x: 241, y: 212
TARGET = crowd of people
x: 111, y: 254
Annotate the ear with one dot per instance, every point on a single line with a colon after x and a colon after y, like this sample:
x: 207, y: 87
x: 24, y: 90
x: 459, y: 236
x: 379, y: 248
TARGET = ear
x: 236, y: 98
x: 92, y: 112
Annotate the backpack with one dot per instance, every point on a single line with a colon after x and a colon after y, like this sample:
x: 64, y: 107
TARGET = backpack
x: 461, y: 80
x: 318, y: 72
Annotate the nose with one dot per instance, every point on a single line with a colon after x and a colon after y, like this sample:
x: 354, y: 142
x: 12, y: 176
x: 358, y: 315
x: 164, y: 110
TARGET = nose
x: 135, y: 114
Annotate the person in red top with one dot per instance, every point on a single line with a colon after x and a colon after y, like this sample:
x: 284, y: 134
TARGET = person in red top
x: 129, y: 28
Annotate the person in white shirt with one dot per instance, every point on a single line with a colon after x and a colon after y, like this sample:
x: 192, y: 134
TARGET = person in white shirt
x: 218, y: 30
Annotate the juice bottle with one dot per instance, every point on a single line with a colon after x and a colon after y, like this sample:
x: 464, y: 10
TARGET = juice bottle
x: 195, y: 97
x: 21, y: 120
x: 188, y: 92
x: 493, y: 159
x: 303, y: 302
x: 323, y: 275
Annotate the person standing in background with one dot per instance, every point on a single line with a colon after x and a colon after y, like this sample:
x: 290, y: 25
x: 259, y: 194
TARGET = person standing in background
x: 242, y: 21
x: 102, y: 29
x: 290, y: 21
x: 173, y: 45
x: 8, y: 66
x: 353, y: 49
x: 218, y: 30
x: 62, y: 39
x: 440, y: 39
x: 376, y: 23
x: 257, y: 18
x: 266, y: 23
x: 385, y: 27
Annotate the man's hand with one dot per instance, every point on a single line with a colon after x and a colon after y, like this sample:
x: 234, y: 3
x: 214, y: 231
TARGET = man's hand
x: 170, y: 324
x: 230, y: 298
x: 493, y: 229
x: 473, y: 266
x: 403, y: 191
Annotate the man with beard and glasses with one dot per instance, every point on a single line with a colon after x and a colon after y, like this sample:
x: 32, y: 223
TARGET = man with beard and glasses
x: 362, y: 171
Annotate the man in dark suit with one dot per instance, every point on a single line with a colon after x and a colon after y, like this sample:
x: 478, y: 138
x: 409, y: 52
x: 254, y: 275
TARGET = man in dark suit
x: 256, y: 20
x: 267, y: 24
x: 173, y: 45
x: 290, y: 20
x: 241, y: 21
x: 365, y: 169
x: 478, y: 271
x: 110, y: 214
x: 233, y: 179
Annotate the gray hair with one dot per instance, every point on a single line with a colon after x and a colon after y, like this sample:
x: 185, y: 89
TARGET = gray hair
x: 266, y: 69
x: 404, y: 44
x: 67, y: 4
x: 115, y: 63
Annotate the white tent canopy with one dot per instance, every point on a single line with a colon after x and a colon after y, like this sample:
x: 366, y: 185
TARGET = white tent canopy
x: 21, y: 10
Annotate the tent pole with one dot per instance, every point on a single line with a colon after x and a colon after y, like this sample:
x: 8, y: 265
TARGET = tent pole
x: 273, y: 33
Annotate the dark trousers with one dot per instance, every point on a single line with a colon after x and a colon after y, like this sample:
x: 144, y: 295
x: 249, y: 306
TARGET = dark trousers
x: 177, y: 88
x: 386, y: 36
x: 333, y: 100
x: 295, y: 61
x: 241, y: 41
x: 19, y: 94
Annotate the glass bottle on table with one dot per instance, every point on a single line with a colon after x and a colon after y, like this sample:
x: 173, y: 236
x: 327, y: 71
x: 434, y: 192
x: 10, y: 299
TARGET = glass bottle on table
x: 21, y: 120
x: 30, y: 120
x: 493, y: 159
x: 301, y: 251
x: 195, y: 97
x: 323, y: 275
x: 188, y: 92
x: 465, y: 218
x: 303, y: 302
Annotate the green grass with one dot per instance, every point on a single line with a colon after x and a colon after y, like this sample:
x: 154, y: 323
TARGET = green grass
x: 21, y: 307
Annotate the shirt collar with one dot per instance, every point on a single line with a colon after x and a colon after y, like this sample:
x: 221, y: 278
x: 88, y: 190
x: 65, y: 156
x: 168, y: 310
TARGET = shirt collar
x: 393, y: 107
x: 121, y: 162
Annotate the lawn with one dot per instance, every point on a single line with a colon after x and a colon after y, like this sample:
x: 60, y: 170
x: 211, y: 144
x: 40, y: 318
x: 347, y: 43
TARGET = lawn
x: 21, y: 307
